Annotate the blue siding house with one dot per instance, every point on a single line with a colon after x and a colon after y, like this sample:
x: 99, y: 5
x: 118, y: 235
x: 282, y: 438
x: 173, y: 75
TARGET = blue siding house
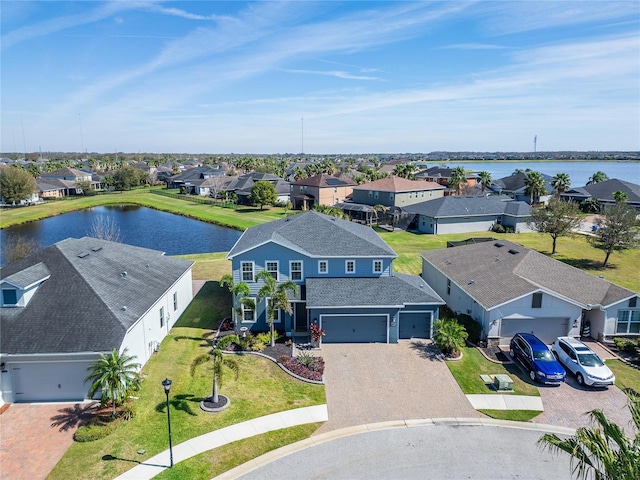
x: 346, y: 284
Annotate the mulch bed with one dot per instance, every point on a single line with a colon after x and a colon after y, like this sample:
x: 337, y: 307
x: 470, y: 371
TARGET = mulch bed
x: 494, y: 353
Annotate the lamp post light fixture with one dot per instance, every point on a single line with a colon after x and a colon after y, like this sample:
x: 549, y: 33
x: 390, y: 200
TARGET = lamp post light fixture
x: 166, y: 383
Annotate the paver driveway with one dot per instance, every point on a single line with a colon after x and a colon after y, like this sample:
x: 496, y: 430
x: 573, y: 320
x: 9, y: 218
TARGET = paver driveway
x: 374, y: 382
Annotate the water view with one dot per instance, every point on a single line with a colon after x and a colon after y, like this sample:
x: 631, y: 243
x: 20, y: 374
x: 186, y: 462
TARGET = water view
x: 140, y: 226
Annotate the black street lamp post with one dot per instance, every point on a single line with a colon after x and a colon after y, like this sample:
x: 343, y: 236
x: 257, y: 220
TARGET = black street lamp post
x: 166, y: 383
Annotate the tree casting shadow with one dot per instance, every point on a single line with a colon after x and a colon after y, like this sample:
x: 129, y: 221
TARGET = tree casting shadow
x: 75, y: 416
x: 180, y: 402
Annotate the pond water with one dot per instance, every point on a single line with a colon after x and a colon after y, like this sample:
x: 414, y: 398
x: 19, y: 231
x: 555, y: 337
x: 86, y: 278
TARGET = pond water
x: 139, y: 226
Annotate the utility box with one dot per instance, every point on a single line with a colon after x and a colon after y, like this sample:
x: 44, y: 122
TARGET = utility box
x: 502, y: 382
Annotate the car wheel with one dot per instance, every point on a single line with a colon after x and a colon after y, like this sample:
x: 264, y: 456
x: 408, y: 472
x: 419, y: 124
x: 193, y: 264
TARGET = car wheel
x: 532, y: 375
x: 512, y: 354
x: 580, y: 379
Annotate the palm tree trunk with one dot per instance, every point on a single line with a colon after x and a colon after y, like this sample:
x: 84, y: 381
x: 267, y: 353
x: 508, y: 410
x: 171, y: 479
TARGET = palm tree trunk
x: 214, y: 397
x: 273, y: 340
x: 113, y: 399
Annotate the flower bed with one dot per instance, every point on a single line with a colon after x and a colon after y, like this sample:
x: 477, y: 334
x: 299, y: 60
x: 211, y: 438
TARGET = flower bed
x: 311, y: 371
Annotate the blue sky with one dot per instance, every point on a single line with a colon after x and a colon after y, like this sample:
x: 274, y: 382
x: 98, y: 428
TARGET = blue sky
x: 325, y: 77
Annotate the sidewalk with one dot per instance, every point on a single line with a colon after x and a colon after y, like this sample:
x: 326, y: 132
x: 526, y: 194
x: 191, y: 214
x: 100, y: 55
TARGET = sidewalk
x: 505, y: 402
x: 155, y: 465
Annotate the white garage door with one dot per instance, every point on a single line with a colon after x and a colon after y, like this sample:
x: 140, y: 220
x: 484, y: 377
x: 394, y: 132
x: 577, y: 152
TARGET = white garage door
x: 546, y: 329
x: 49, y: 381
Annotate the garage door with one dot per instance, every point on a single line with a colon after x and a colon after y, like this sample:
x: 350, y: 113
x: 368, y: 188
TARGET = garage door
x: 49, y: 381
x: 546, y: 329
x: 415, y: 325
x: 354, y: 329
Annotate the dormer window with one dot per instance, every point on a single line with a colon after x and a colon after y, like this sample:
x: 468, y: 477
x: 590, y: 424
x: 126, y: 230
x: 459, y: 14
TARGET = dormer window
x: 9, y: 298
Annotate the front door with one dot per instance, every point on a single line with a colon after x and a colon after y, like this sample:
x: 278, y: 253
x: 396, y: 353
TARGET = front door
x: 300, y: 317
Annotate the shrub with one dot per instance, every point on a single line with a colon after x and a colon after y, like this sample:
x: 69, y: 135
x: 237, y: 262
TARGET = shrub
x: 450, y: 336
x: 94, y: 431
x: 264, y: 337
x: 625, y: 344
x: 497, y: 228
x: 473, y: 328
x: 283, y: 359
x: 306, y: 359
x: 226, y: 325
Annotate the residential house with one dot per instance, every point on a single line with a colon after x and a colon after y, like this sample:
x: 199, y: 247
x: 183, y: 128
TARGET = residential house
x: 243, y: 184
x: 395, y: 191
x: 346, y: 284
x: 320, y: 189
x: 191, y: 180
x: 461, y: 214
x: 508, y: 288
x: 515, y: 187
x: 67, y: 179
x: 603, y: 192
x: 442, y: 175
x: 65, y: 305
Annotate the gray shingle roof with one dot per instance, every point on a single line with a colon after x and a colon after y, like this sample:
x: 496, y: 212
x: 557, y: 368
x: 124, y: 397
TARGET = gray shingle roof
x: 30, y: 275
x: 603, y: 191
x: 397, y: 290
x: 465, y: 206
x: 80, y: 307
x: 492, y: 275
x: 316, y: 235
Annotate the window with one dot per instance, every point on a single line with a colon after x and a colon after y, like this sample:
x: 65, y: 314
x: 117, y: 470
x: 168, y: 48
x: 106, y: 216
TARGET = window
x: 376, y: 195
x: 350, y: 266
x: 448, y: 287
x: 410, y: 195
x: 633, y: 302
x: 161, y: 317
x: 278, y: 313
x: 536, y: 300
x: 628, y: 321
x: 272, y: 268
x: 9, y: 297
x: 248, y: 314
x: 370, y: 193
x: 247, y: 271
x: 391, y: 196
x: 295, y: 270
x: 377, y: 266
x: 323, y: 266
x: 175, y: 301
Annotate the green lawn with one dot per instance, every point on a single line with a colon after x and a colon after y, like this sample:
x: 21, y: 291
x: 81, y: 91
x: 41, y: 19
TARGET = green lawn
x: 626, y: 376
x: 261, y: 389
x: 513, y: 415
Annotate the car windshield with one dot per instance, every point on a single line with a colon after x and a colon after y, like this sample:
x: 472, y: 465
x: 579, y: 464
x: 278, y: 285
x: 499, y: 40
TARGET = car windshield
x: 544, y: 355
x: 590, y: 360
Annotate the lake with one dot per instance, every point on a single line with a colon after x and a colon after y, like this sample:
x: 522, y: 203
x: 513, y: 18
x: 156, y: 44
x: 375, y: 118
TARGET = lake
x: 579, y: 172
x: 139, y: 226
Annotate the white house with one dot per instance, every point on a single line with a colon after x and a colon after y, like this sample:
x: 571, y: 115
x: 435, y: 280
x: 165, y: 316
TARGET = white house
x: 508, y: 288
x: 63, y: 306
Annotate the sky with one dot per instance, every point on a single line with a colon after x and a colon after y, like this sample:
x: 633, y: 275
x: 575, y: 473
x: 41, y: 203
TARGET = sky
x: 319, y: 77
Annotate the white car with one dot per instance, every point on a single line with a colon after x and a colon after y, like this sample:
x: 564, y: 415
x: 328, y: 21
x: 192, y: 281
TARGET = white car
x: 583, y: 362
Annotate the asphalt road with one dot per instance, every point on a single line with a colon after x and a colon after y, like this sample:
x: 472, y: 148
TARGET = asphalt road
x: 442, y: 452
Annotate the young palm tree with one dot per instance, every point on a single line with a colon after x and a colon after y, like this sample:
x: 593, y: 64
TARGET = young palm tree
x: 620, y: 196
x: 485, y: 179
x: 458, y: 179
x: 597, y: 178
x: 278, y: 297
x: 535, y: 185
x: 561, y: 183
x: 219, y: 362
x: 603, y: 451
x: 240, y: 292
x: 450, y: 336
x: 114, y: 373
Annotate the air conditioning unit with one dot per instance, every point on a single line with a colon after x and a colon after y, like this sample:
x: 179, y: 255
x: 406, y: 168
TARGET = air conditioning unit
x: 502, y: 382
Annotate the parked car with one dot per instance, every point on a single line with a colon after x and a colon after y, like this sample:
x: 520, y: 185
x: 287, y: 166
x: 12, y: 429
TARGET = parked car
x: 583, y: 362
x: 536, y: 358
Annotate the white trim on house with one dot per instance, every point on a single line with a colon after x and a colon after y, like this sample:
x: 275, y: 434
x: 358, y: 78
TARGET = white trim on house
x: 301, y: 271
x: 326, y: 270
x: 277, y: 271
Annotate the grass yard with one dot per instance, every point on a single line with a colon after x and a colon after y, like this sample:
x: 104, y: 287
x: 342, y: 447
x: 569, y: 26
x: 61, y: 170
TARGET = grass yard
x: 513, y: 415
x: 261, y: 389
x: 208, y: 266
x: 626, y: 376
x: 468, y: 370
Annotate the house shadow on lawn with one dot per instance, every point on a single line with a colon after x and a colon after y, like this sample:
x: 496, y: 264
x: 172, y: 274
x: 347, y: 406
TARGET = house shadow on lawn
x: 75, y: 416
x: 207, y: 309
x: 427, y: 350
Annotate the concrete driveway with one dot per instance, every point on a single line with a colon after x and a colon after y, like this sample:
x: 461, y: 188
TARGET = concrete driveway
x: 374, y: 382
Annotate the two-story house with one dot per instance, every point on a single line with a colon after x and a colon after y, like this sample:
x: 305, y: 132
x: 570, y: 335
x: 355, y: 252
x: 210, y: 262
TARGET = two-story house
x: 320, y: 189
x: 65, y: 180
x: 395, y: 191
x: 345, y: 278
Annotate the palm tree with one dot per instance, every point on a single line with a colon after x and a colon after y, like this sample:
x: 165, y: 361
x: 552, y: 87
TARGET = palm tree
x: 603, y: 451
x: 560, y: 183
x: 450, y: 336
x: 597, y: 178
x: 377, y: 210
x: 114, y: 373
x: 277, y: 293
x: 240, y: 292
x: 620, y: 196
x: 535, y: 185
x: 219, y: 361
x: 485, y: 179
x: 458, y: 178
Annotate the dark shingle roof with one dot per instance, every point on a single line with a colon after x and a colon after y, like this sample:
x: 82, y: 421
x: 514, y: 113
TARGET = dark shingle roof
x: 517, y: 181
x: 324, y: 181
x: 397, y: 290
x: 465, y: 206
x: 80, y: 307
x: 493, y: 275
x: 316, y: 235
x: 29, y: 276
x: 603, y: 191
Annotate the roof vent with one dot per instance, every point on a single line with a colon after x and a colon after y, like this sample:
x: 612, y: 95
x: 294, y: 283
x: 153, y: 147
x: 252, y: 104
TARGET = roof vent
x: 123, y: 274
x: 498, y: 244
x: 124, y: 308
x: 513, y: 252
x: 472, y: 281
x: 96, y: 249
x: 83, y: 254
